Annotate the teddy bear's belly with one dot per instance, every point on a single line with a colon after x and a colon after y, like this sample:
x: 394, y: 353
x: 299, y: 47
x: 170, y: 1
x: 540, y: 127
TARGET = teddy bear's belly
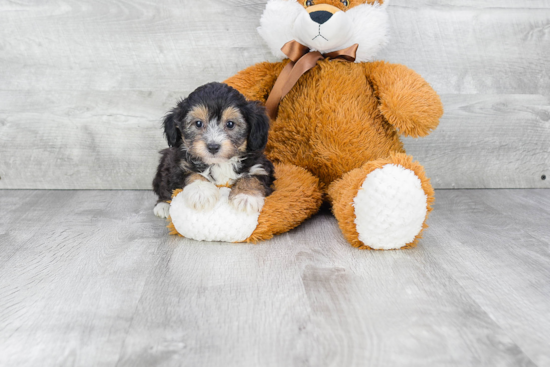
x: 331, y: 126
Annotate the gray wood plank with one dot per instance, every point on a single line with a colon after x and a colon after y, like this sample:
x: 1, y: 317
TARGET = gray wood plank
x: 120, y: 45
x: 84, y: 85
x: 84, y: 140
x: 24, y: 214
x: 343, y: 319
x: 483, y: 239
x: 100, y: 283
x: 68, y: 294
x: 308, y: 298
x: 466, y: 46
x: 488, y: 141
x: 107, y: 140
x: 469, y: 47
x: 532, y: 206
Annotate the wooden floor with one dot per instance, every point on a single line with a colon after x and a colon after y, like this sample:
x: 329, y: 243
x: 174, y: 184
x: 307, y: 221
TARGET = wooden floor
x: 91, y: 278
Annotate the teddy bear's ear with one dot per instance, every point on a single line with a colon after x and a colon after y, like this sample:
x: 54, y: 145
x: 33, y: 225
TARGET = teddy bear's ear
x: 277, y: 24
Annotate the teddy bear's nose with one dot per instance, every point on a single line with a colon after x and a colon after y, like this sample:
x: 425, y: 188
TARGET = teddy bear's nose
x: 320, y: 16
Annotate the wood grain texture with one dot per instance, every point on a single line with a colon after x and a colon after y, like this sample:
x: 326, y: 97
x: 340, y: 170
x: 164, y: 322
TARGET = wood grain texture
x: 469, y: 47
x: 74, y: 276
x: 121, y: 45
x: 85, y: 84
x: 500, y: 240
x: 93, y: 279
x: 89, y: 139
x: 106, y: 140
x: 465, y: 46
x: 488, y: 141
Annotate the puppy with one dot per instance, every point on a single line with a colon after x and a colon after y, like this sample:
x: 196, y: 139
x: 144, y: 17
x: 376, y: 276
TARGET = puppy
x: 216, y: 138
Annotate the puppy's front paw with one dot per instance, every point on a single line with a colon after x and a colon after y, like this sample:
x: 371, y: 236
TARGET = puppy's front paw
x: 162, y: 210
x: 201, y: 195
x: 251, y: 204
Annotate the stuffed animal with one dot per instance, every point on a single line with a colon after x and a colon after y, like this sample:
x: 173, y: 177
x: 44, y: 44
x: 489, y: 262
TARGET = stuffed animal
x: 336, y: 118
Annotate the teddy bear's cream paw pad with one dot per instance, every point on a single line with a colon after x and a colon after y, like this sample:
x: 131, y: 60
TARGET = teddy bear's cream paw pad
x: 222, y: 223
x: 390, y: 208
x: 201, y: 195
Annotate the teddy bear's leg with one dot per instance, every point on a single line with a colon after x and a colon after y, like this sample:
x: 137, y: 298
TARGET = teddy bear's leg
x: 384, y: 204
x: 297, y: 197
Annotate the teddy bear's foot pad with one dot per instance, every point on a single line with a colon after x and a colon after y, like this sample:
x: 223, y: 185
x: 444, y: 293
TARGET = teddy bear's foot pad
x: 390, y: 208
x: 221, y: 223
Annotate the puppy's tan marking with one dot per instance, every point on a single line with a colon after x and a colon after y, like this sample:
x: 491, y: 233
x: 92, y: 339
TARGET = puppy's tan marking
x: 199, y: 149
x: 199, y: 112
x: 185, y: 165
x: 227, y: 150
x: 247, y: 186
x: 242, y: 147
x: 232, y: 114
x: 194, y: 177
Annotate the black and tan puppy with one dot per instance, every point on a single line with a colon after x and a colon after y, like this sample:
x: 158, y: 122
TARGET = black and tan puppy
x: 216, y: 138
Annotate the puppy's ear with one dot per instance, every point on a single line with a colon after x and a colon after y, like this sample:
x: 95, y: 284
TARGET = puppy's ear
x: 171, y: 131
x: 259, y: 126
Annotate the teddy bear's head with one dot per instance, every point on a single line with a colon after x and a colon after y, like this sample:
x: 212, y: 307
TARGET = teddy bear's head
x: 326, y: 25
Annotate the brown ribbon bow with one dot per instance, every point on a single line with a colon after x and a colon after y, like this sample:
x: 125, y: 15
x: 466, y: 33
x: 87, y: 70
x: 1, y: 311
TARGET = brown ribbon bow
x: 301, y: 60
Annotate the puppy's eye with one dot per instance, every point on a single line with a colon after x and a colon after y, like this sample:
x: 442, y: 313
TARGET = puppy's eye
x: 308, y: 3
x: 198, y: 124
x: 230, y: 124
x: 345, y: 2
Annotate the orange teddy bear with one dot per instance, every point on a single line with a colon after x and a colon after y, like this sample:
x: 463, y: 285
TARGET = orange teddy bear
x: 336, y: 120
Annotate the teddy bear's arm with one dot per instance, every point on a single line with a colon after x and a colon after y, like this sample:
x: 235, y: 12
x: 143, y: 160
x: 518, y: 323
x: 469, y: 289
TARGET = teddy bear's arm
x: 256, y: 81
x: 406, y: 100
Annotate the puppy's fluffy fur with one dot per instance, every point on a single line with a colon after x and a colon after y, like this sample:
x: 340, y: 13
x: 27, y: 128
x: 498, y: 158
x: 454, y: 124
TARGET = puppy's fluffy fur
x: 216, y: 138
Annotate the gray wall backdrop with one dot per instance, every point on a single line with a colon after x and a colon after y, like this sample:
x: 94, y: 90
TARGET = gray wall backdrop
x: 84, y: 84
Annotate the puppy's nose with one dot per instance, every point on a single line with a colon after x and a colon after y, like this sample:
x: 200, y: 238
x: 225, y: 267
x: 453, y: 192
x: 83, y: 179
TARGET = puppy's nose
x: 213, y: 147
x: 320, y: 16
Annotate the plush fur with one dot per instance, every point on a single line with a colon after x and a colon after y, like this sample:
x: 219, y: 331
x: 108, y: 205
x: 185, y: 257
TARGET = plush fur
x: 344, y: 191
x: 342, y: 120
x: 216, y: 138
x: 364, y: 23
x: 224, y: 222
x: 295, y: 198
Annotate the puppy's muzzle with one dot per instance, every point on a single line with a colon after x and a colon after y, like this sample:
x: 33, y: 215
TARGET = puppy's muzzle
x: 213, y: 148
